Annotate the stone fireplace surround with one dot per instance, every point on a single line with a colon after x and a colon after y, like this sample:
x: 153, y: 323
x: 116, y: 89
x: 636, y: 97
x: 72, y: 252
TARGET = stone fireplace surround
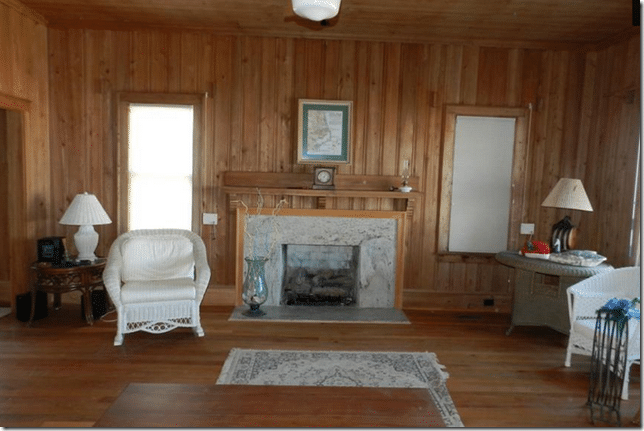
x: 378, y: 234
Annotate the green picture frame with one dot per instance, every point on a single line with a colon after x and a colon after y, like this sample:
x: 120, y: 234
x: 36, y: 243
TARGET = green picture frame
x: 324, y: 131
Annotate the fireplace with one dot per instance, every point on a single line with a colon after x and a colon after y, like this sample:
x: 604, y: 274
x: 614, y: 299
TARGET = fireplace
x: 320, y: 275
x: 372, y: 239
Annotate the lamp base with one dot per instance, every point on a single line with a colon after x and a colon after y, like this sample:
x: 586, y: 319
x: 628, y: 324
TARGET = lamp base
x: 86, y: 240
x: 564, y: 236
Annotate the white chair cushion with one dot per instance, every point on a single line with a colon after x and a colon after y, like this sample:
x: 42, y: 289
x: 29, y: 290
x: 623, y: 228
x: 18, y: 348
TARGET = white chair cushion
x: 585, y: 328
x: 177, y: 289
x: 157, y: 258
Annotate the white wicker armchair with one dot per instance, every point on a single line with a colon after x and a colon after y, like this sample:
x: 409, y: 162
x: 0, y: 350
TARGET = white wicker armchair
x: 156, y: 279
x: 589, y: 295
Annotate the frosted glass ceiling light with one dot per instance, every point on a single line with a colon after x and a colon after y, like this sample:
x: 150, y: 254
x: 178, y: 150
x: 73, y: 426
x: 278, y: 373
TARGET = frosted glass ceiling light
x: 316, y: 10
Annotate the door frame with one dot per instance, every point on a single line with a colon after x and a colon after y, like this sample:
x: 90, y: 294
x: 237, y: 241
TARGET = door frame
x: 19, y: 240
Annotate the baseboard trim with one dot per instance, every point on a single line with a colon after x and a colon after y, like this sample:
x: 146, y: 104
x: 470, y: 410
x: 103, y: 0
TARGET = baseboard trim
x: 445, y: 301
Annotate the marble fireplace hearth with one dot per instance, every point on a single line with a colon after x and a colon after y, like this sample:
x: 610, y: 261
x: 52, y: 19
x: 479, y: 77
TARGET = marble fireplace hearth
x: 322, y: 314
x: 377, y: 235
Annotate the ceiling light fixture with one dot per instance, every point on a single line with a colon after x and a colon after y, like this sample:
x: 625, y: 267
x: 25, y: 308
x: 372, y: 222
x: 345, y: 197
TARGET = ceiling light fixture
x: 316, y: 10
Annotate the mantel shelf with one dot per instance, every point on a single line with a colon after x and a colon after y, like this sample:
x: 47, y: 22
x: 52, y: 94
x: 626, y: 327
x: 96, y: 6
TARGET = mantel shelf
x: 300, y: 184
x: 323, y: 193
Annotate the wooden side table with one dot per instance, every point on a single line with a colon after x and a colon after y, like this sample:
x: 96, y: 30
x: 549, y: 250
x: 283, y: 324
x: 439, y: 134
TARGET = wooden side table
x: 540, y: 285
x: 58, y: 280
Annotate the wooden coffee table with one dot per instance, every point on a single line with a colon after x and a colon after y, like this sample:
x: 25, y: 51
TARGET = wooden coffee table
x: 183, y: 405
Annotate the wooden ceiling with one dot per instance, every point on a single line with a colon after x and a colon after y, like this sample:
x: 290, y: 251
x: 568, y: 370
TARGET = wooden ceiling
x: 497, y: 22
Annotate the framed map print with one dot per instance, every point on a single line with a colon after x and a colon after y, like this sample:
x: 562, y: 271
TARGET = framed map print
x: 324, y: 130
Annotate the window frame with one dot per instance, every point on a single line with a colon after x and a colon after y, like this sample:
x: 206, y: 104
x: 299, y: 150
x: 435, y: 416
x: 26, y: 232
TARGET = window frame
x: 521, y: 116
x: 124, y: 100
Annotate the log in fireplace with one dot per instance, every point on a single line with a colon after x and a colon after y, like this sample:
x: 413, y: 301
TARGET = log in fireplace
x: 320, y: 275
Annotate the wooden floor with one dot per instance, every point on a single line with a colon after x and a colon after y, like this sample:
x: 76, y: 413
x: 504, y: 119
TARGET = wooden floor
x: 62, y: 372
x: 145, y: 405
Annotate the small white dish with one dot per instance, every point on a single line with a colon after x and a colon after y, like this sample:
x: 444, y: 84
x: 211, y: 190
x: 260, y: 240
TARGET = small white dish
x: 404, y: 189
x: 537, y: 255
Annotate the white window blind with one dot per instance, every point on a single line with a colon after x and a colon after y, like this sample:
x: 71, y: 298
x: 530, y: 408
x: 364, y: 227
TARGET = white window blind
x: 160, y: 166
x: 481, y: 184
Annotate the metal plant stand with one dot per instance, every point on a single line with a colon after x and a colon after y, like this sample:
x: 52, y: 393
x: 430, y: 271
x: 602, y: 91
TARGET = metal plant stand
x: 607, y: 368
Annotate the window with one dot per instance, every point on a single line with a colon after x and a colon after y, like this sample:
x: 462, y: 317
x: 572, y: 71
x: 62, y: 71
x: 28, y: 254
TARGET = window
x: 481, y: 186
x: 483, y: 178
x: 159, y: 179
x: 160, y: 166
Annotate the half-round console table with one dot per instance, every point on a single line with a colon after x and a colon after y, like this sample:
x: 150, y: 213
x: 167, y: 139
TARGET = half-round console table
x: 540, y: 289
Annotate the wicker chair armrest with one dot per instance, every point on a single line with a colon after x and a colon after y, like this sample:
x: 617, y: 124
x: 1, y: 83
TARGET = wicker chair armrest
x: 202, y: 268
x: 112, y: 273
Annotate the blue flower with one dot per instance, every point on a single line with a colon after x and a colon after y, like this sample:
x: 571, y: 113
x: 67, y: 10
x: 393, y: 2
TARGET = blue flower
x: 633, y: 312
x: 621, y: 310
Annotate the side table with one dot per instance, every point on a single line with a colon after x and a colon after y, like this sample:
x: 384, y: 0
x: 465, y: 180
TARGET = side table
x: 65, y: 279
x: 540, y: 289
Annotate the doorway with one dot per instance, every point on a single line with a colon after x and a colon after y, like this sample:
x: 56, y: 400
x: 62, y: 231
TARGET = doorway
x: 15, y: 255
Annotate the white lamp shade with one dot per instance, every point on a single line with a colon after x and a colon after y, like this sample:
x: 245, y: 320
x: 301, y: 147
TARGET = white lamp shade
x: 570, y: 194
x: 316, y: 10
x: 85, y: 209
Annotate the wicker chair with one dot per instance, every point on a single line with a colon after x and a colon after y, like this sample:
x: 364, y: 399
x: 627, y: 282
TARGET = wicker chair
x: 156, y: 279
x: 589, y: 295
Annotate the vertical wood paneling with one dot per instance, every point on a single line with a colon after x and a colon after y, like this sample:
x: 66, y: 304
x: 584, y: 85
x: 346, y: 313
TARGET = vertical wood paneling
x: 391, y: 150
x: 374, y: 123
x: 268, y: 108
x: 360, y: 109
x: 399, y: 92
x: 221, y: 147
x: 286, y: 105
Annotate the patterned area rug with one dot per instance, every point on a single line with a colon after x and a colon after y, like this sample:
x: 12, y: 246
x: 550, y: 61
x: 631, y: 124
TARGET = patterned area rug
x: 342, y: 368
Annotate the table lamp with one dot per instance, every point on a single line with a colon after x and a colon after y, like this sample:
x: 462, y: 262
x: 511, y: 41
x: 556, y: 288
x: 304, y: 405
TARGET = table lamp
x: 568, y: 193
x: 85, y: 211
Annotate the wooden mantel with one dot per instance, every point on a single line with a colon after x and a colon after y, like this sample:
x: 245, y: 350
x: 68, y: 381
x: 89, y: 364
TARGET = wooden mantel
x: 346, y: 186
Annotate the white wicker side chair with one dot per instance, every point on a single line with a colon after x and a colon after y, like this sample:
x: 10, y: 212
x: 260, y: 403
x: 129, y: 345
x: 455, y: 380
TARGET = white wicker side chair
x: 589, y: 295
x: 156, y: 279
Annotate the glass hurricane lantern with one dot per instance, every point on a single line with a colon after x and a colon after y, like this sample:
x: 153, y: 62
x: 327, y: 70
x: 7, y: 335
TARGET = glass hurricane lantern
x: 255, y: 291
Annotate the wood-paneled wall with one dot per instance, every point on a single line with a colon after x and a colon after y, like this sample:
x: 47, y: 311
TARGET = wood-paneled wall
x: 606, y: 154
x: 398, y: 90
x: 24, y: 100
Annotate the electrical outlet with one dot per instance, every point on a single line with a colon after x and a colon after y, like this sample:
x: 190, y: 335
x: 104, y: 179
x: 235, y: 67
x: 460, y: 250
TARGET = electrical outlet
x: 210, y: 218
x: 527, y: 228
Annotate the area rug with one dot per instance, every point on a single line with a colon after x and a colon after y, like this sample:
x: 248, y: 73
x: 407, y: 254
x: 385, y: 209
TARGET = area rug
x: 342, y: 368
x: 321, y: 314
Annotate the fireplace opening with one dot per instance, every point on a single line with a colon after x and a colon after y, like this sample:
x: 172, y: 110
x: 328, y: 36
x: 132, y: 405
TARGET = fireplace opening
x: 320, y: 275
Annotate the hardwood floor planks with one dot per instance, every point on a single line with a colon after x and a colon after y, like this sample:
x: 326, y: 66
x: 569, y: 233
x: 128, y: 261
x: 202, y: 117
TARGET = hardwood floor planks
x: 62, y: 372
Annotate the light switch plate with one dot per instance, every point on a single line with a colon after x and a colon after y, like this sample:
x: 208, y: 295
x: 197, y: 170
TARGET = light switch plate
x: 210, y: 218
x: 527, y: 228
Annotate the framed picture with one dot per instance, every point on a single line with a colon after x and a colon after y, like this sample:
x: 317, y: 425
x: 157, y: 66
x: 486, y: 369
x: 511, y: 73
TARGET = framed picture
x: 324, y: 130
